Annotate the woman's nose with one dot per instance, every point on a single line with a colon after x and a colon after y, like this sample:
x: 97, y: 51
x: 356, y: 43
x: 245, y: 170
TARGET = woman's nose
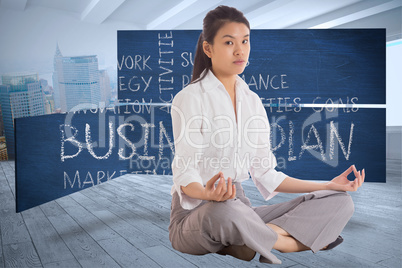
x: 238, y: 51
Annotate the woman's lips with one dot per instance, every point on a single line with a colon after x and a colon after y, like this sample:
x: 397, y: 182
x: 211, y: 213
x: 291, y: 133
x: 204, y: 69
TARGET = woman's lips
x: 239, y: 62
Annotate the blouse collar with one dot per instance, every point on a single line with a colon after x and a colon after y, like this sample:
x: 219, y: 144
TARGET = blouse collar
x: 211, y: 82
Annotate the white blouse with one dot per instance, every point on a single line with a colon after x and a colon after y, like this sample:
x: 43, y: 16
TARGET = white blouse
x: 209, y: 138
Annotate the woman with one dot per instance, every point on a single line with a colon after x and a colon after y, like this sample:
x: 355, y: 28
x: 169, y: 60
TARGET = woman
x: 221, y: 134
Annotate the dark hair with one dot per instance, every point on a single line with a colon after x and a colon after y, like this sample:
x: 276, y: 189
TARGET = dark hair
x: 213, y: 21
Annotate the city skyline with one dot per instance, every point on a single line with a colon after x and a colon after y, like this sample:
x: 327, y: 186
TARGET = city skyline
x: 24, y: 92
x: 20, y: 96
x: 29, y: 47
x: 45, y: 71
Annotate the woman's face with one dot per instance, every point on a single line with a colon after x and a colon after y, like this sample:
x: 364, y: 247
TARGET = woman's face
x: 230, y: 51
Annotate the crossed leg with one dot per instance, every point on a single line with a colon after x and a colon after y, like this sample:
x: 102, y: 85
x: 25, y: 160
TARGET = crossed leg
x: 286, y: 243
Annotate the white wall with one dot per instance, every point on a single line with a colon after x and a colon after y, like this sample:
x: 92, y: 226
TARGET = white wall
x: 394, y: 83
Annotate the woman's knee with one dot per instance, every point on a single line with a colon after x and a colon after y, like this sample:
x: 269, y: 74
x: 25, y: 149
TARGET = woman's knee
x: 219, y: 213
x: 338, y: 200
x: 347, y: 204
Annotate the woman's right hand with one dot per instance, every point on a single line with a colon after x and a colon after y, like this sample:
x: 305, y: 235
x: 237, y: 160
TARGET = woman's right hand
x: 221, y: 192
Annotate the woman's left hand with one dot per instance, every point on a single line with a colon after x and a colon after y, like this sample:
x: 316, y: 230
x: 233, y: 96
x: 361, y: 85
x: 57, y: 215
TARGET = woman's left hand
x: 341, y: 182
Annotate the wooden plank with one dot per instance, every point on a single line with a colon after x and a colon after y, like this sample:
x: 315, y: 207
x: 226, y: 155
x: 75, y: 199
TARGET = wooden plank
x: 215, y: 260
x: 158, y: 215
x: 48, y: 243
x: 292, y: 196
x: 142, y: 191
x: 337, y: 258
x: 87, y: 252
x: 13, y: 229
x: 364, y: 237
x: 15, y: 240
x: 126, y: 206
x: 144, y: 219
x: 136, y: 182
x: 332, y: 258
x: 153, y: 188
x: 129, y: 232
x: 86, y: 202
x: 139, y: 183
x: 7, y: 199
x: 166, y: 258
x: 21, y: 255
x: 52, y: 209
x: 153, y: 200
x: 71, y: 263
x: 146, y: 227
x: 2, y: 264
x: 125, y: 254
x: 212, y: 260
x: 132, y: 203
x: 132, y: 217
x: 161, y: 184
x: 10, y: 175
x: 393, y: 225
x: 391, y: 262
x: 157, y: 195
x: 91, y: 224
x: 123, y: 229
x: 11, y: 163
x: 98, y: 201
x: 148, y: 199
x: 354, y: 240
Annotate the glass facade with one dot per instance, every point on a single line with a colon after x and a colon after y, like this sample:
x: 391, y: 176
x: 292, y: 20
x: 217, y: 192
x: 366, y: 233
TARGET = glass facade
x: 21, y: 95
x: 76, y: 82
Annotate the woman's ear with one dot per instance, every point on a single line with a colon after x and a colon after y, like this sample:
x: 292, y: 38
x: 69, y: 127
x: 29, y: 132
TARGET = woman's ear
x: 207, y: 48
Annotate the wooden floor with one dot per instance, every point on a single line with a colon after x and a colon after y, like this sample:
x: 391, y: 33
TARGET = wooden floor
x: 124, y: 222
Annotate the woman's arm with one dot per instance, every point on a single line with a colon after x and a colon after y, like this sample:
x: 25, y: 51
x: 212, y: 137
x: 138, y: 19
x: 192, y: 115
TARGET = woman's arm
x: 339, y: 183
x: 221, y: 192
x: 292, y: 185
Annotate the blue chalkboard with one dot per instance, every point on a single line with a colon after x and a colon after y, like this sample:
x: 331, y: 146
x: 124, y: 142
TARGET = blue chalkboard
x: 154, y: 65
x: 296, y: 66
x: 59, y: 154
x: 63, y: 153
x: 320, y: 143
x: 286, y: 68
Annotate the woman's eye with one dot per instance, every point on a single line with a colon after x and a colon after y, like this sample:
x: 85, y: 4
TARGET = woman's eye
x: 245, y: 41
x: 229, y: 42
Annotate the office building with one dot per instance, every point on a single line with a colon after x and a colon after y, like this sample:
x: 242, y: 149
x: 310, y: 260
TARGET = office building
x: 76, y: 82
x: 21, y: 95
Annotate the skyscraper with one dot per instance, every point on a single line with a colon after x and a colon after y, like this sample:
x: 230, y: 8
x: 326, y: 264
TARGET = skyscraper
x: 76, y: 81
x: 57, y: 64
x: 105, y: 87
x: 21, y: 95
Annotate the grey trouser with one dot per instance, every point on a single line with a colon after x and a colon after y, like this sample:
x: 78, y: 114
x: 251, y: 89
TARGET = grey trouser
x: 315, y: 219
